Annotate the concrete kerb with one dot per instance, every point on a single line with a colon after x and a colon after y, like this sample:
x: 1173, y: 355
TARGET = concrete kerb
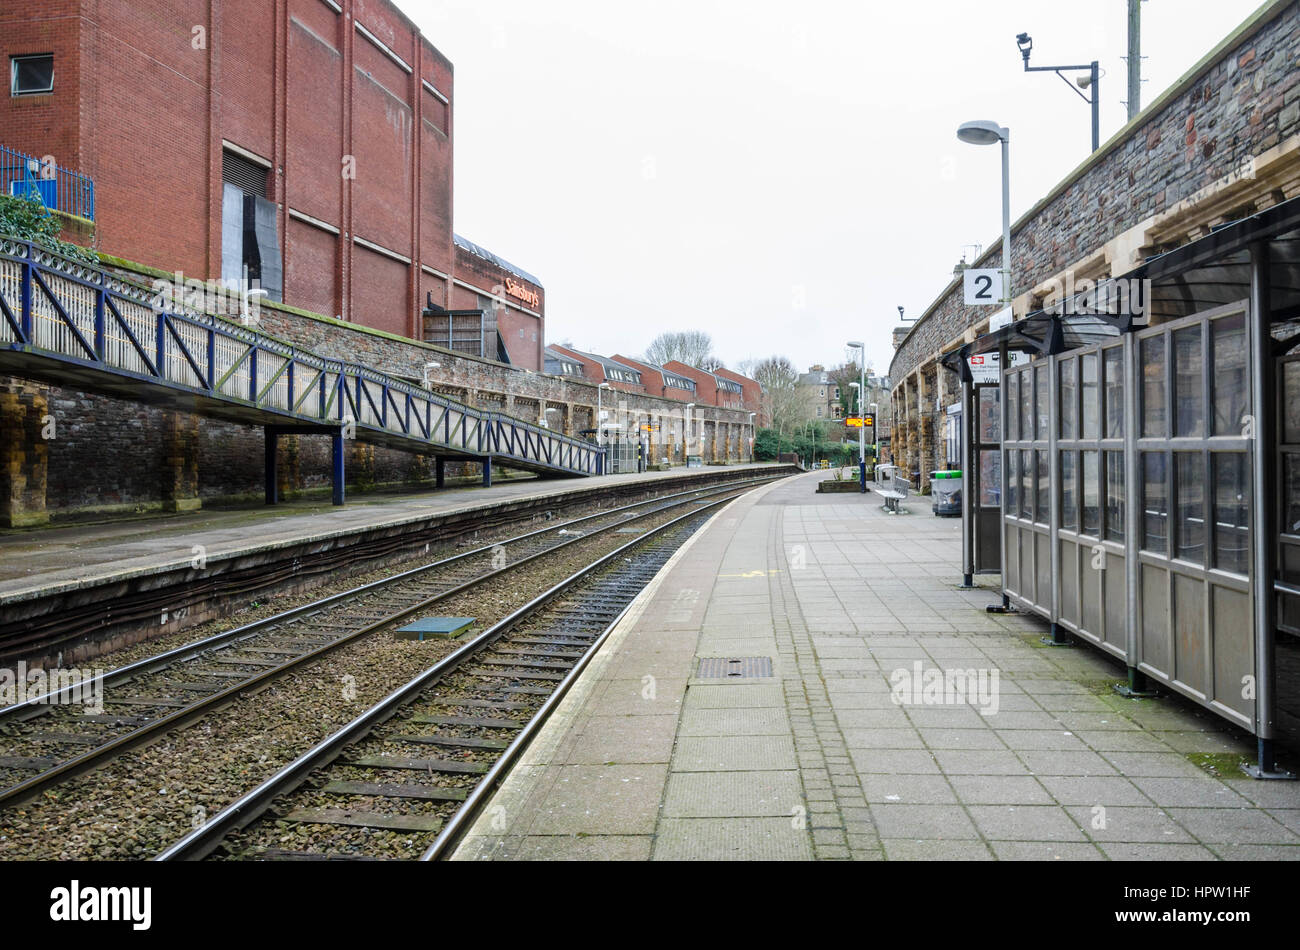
x: 91, y: 578
x: 512, y: 796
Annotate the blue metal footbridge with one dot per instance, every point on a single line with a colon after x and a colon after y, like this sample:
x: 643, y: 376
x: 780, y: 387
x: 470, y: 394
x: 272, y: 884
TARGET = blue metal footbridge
x: 74, y: 325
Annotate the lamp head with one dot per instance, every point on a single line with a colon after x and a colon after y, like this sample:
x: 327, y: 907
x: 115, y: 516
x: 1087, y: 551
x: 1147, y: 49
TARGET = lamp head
x: 982, y: 132
x: 856, y: 344
x: 1026, y: 43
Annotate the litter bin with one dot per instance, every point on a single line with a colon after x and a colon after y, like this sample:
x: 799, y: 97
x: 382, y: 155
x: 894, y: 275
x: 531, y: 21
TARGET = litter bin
x: 945, y: 492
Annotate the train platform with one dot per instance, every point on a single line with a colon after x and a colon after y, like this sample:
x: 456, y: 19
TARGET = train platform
x: 35, y: 561
x: 805, y: 680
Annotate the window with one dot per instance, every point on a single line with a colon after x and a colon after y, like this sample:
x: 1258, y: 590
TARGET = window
x: 1069, y: 492
x: 1069, y: 387
x: 1113, y: 369
x: 31, y: 75
x: 250, y: 241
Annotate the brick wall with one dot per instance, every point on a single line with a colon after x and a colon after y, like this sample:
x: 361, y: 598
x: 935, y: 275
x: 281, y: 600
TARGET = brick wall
x: 293, y: 82
x: 110, y: 453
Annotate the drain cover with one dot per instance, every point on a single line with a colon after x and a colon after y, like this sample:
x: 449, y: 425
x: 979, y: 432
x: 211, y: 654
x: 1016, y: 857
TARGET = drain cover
x: 734, y: 668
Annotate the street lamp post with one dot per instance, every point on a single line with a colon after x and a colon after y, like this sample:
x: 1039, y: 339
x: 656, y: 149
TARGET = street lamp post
x: 986, y: 133
x: 861, y: 387
x: 751, y: 436
x: 427, y: 367
x: 1091, y: 82
x: 983, y: 132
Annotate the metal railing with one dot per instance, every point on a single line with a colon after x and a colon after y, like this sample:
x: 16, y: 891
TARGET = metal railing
x: 55, y: 187
x: 59, y: 316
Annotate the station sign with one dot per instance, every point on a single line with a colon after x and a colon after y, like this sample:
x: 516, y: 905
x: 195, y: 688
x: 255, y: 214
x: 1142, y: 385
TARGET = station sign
x: 982, y: 286
x: 986, y: 368
x: 860, y: 422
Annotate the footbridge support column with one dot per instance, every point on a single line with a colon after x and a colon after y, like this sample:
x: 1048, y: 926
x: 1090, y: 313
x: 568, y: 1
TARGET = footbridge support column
x: 180, y: 474
x: 270, y: 450
x: 440, y: 472
x: 338, y: 453
x: 24, y: 453
x: 487, y: 471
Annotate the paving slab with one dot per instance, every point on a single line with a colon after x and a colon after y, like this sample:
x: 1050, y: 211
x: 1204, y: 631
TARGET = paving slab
x: 843, y: 754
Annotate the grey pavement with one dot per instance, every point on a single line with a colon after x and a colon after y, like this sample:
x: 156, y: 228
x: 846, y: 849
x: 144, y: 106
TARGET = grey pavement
x: 1028, y: 754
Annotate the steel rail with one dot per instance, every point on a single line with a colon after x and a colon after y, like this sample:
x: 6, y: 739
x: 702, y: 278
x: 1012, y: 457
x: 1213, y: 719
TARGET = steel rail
x: 451, y: 831
x: 41, y: 703
x: 101, y: 754
x: 249, y: 807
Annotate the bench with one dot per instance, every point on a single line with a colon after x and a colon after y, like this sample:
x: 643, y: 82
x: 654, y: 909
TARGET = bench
x: 894, y: 492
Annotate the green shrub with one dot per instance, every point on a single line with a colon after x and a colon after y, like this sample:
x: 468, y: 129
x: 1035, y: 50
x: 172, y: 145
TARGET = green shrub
x: 29, y: 220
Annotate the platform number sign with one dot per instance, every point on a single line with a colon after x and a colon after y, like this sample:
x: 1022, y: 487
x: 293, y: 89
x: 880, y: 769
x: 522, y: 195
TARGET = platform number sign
x: 983, y: 286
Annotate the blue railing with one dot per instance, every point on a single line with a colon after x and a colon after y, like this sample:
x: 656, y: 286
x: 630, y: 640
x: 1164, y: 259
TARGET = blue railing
x: 57, y: 188
x: 74, y: 324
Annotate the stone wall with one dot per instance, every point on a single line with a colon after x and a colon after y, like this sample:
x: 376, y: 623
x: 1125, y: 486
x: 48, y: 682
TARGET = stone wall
x: 106, y: 454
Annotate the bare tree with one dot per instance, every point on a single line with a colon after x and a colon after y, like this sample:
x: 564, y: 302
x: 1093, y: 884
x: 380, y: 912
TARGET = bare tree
x: 692, y: 347
x: 781, y: 402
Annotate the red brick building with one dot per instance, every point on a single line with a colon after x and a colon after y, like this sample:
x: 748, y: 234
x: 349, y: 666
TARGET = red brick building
x: 660, y: 381
x: 309, y: 141
x: 751, y: 394
x: 711, y: 389
x: 600, y: 369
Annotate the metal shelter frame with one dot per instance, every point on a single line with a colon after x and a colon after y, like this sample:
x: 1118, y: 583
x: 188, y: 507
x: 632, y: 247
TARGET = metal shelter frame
x: 1145, y: 469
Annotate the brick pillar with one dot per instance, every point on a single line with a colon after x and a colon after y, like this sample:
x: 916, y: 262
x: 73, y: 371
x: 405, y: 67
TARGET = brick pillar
x: 24, y: 453
x: 180, y: 462
x: 924, y: 404
x: 289, y: 465
x: 361, y: 465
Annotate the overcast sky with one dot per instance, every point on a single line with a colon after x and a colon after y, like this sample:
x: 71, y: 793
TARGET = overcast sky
x: 781, y: 175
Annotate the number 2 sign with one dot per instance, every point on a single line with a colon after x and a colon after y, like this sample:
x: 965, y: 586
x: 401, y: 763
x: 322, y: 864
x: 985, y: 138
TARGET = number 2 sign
x: 982, y: 286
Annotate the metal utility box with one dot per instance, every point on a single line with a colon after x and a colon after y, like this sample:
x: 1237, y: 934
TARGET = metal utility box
x: 945, y: 493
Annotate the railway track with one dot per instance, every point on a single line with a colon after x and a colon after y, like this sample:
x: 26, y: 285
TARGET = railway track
x: 406, y: 777
x: 43, y: 742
